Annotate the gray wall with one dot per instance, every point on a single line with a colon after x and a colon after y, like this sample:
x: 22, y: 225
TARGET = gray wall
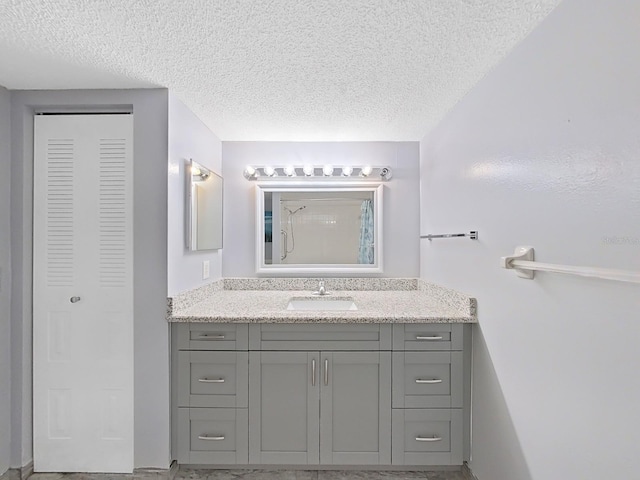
x: 545, y: 151
x: 401, y: 196
x: 151, y: 331
x: 188, y: 138
x: 5, y: 281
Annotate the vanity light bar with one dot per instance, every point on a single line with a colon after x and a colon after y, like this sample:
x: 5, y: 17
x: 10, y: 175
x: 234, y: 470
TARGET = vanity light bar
x: 262, y: 172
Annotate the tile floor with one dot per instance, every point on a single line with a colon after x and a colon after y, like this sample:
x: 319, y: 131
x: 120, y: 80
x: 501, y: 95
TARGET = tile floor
x: 202, y: 474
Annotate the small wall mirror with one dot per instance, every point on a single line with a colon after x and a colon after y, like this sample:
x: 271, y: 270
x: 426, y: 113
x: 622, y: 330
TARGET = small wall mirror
x: 204, y: 208
x: 327, y: 229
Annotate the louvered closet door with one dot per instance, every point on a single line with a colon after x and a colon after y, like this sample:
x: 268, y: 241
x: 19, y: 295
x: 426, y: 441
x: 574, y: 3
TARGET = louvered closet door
x: 83, y: 293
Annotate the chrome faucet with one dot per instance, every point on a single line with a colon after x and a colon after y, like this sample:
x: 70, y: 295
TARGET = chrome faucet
x: 321, y: 289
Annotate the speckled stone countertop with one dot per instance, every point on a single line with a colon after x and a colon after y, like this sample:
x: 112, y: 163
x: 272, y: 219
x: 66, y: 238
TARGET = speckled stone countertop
x: 377, y: 300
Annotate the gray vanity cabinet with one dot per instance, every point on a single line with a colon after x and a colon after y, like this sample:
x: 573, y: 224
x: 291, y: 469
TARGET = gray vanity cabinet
x: 284, y: 408
x: 210, y: 364
x: 321, y: 394
x: 331, y: 408
x: 431, y: 381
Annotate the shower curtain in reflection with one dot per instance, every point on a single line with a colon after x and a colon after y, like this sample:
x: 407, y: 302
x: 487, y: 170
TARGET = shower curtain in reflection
x: 365, y: 252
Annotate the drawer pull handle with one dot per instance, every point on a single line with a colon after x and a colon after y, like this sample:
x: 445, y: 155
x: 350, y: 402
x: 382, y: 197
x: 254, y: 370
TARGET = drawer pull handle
x: 425, y: 337
x: 213, y: 337
x: 211, y: 437
x: 211, y: 380
x: 326, y: 371
x: 428, y: 439
x: 425, y: 380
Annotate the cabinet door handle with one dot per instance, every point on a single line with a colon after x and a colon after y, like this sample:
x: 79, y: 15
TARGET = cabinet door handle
x: 326, y: 371
x: 426, y: 380
x: 313, y: 372
x: 74, y: 299
x: 426, y: 337
x: 211, y: 380
x: 428, y: 439
x: 213, y: 337
x: 211, y: 437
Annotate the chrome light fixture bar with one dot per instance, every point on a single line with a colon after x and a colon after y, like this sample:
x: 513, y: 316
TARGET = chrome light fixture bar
x: 265, y: 172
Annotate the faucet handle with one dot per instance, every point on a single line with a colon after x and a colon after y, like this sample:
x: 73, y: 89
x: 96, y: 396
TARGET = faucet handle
x: 321, y: 282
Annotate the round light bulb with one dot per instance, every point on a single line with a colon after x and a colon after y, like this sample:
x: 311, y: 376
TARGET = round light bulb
x: 249, y: 172
x: 347, y: 171
x: 269, y: 171
x: 289, y: 171
x: 327, y: 170
x: 366, y: 171
x: 308, y: 170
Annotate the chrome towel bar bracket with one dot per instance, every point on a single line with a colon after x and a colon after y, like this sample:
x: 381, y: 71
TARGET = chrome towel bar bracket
x: 473, y: 235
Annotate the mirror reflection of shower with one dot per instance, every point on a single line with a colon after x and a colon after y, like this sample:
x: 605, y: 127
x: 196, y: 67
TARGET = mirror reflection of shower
x: 321, y: 228
x: 288, y: 235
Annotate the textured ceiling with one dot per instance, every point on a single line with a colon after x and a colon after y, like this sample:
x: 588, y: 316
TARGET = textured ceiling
x: 272, y: 69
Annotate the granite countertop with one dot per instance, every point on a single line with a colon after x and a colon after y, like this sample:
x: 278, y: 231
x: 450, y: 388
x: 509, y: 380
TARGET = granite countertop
x: 233, y: 301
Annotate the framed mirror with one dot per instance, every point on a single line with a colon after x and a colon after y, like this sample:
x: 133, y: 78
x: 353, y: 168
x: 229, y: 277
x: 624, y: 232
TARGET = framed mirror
x: 319, y: 229
x: 203, y: 226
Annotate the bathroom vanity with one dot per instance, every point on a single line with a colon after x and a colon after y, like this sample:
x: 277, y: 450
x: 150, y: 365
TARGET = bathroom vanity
x: 254, y: 383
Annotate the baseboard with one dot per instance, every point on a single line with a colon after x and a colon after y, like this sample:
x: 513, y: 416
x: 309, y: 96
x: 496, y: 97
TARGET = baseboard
x: 157, y: 473
x: 11, y: 474
x: 26, y: 471
x: 468, y: 474
x: 173, y: 470
x: 18, y: 473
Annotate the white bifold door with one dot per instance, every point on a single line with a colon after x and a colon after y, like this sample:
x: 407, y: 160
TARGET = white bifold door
x: 83, y: 293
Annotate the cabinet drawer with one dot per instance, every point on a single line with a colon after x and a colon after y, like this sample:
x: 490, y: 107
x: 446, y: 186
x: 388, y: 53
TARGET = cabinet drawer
x: 428, y: 336
x: 212, y: 336
x: 213, y: 379
x: 427, y: 437
x: 320, y: 337
x: 427, y: 379
x: 213, y: 435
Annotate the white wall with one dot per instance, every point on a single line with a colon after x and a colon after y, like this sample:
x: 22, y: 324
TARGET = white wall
x: 401, y: 196
x: 546, y: 151
x: 151, y: 331
x: 189, y: 138
x: 5, y: 281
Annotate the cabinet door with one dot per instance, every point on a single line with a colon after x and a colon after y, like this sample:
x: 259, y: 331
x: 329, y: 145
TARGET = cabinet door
x: 355, y: 403
x: 284, y: 407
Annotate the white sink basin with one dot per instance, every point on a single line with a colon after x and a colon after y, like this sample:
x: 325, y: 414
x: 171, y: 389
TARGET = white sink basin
x: 321, y: 304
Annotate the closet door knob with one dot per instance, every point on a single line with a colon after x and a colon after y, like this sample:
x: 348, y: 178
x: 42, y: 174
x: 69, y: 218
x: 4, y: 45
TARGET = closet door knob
x: 74, y: 299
